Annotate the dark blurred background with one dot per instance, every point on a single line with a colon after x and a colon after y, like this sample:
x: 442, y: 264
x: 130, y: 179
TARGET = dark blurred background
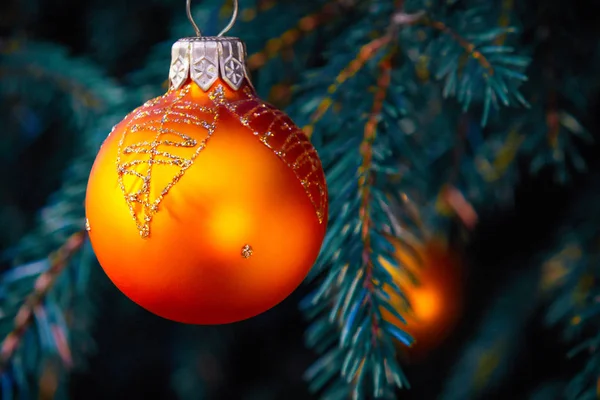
x: 140, y: 356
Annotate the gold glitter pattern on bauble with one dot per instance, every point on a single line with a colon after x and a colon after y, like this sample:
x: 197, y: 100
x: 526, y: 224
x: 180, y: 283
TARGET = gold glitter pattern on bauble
x: 153, y: 154
x: 247, y: 251
x: 277, y: 131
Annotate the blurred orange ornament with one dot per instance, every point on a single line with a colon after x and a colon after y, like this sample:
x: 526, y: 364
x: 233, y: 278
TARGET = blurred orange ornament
x: 435, y: 299
x: 207, y: 205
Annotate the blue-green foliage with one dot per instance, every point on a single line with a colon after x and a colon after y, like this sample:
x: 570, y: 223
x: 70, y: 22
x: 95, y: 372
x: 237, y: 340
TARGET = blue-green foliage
x: 572, y: 270
x: 464, y: 103
x: 355, y: 349
x: 494, y: 350
x: 576, y: 308
x: 59, y: 337
x: 348, y: 329
x: 468, y: 54
x: 60, y: 89
x: 74, y: 93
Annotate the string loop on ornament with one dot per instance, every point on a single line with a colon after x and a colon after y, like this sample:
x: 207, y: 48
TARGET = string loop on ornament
x: 188, y: 9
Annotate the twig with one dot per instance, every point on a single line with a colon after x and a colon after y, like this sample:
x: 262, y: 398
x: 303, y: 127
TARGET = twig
x: 401, y: 18
x: 469, y: 47
x: 366, y: 53
x: 457, y: 202
x: 305, y: 25
x: 42, y: 286
x: 366, y: 177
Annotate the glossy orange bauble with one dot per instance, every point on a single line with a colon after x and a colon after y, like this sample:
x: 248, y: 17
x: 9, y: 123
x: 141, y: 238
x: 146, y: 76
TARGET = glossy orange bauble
x: 207, y: 207
x: 436, y: 298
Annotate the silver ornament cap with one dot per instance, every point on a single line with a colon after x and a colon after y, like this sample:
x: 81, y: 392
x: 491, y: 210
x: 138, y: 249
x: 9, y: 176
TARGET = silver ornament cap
x: 204, y: 59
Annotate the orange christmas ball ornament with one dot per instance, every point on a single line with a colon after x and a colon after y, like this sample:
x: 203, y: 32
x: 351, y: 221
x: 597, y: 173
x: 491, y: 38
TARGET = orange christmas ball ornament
x: 207, y: 205
x: 436, y: 298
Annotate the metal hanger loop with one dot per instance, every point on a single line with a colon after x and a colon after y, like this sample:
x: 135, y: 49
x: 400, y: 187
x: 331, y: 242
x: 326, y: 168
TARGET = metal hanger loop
x: 188, y: 9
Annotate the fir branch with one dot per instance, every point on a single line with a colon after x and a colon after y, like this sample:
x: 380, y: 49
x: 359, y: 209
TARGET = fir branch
x: 366, y: 181
x: 488, y: 357
x: 469, y: 47
x: 454, y: 200
x: 42, y: 286
x: 501, y: 72
x: 305, y: 25
x: 352, y: 294
x: 571, y: 276
x: 366, y: 53
x: 366, y: 177
x: 554, y: 144
x: 76, y: 95
x: 492, y: 171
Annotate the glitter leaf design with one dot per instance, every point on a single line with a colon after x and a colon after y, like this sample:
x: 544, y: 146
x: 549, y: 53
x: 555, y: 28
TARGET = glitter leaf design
x: 167, y: 117
x: 277, y: 131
